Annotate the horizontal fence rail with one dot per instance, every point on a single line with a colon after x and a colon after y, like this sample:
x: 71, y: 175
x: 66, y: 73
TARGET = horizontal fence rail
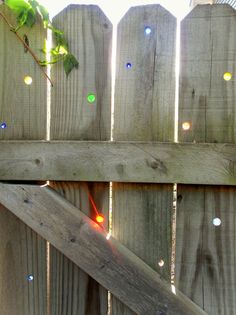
x: 150, y: 162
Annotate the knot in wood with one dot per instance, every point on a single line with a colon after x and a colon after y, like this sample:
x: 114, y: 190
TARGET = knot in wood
x: 179, y: 198
x: 120, y: 168
x: 37, y: 161
x: 157, y: 164
x: 154, y: 164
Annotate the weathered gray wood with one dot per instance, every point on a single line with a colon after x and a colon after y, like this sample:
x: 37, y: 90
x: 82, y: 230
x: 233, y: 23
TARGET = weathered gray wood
x: 148, y: 162
x: 205, y: 262
x: 145, y: 92
x: 144, y: 111
x: 72, y: 290
x: 23, y: 107
x: 207, y: 101
x: 89, y: 35
x: 85, y: 243
x: 23, y: 110
x: 22, y: 253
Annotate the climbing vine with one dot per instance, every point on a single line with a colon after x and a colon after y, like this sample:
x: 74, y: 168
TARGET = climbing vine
x: 27, y: 13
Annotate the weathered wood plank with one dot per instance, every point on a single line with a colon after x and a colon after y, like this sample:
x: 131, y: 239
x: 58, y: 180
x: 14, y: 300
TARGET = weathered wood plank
x: 205, y: 261
x: 72, y: 290
x: 149, y: 162
x: 85, y: 243
x: 144, y: 92
x: 205, y: 255
x: 144, y: 111
x: 73, y: 117
x: 22, y: 253
x: 208, y: 51
x: 23, y: 107
x: 23, y: 111
x: 89, y: 34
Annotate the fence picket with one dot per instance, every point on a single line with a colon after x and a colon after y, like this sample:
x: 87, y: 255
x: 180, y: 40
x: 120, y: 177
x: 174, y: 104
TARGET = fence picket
x: 74, y: 118
x: 23, y: 111
x: 205, y: 265
x: 144, y: 111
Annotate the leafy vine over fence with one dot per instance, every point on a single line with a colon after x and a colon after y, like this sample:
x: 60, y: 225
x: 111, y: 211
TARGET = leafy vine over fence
x: 27, y: 13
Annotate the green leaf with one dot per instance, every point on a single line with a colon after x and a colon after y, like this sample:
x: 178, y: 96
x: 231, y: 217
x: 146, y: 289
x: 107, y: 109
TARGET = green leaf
x: 17, y: 5
x: 62, y: 50
x: 34, y: 4
x: 28, y: 11
x: 44, y: 63
x: 54, y: 52
x: 44, y: 13
x: 61, y: 41
x: 55, y: 30
x: 26, y: 17
x: 44, y: 49
x: 25, y: 12
x: 31, y: 19
x: 22, y: 19
x: 59, y: 50
x: 70, y: 62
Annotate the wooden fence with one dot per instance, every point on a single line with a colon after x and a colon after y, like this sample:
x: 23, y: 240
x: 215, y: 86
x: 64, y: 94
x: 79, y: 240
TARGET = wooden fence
x: 54, y: 260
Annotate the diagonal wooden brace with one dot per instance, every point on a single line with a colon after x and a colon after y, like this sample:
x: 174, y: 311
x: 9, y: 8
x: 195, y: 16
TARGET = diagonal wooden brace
x: 85, y: 243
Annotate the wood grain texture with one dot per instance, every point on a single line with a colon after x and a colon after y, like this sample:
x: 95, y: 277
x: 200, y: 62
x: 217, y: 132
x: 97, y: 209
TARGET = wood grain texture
x: 89, y: 35
x: 205, y: 261
x: 22, y: 253
x: 205, y: 255
x: 85, y: 243
x: 73, y: 291
x: 23, y: 109
x: 207, y: 101
x: 144, y: 111
x: 149, y: 162
x: 144, y: 93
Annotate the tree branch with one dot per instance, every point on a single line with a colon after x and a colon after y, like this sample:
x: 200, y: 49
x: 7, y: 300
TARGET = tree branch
x: 26, y: 46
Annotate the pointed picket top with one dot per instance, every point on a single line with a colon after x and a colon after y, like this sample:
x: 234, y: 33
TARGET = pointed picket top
x: 207, y: 60
x: 148, y: 8
x: 92, y: 8
x: 203, y: 269
x: 82, y: 100
x: 145, y: 75
x: 209, y: 10
x: 144, y: 111
x: 81, y: 110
